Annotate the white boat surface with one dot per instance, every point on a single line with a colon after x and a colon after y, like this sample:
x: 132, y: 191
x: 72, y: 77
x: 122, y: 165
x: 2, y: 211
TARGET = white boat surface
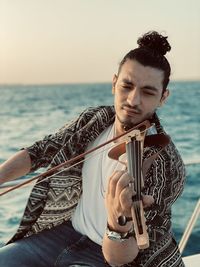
x: 193, y: 260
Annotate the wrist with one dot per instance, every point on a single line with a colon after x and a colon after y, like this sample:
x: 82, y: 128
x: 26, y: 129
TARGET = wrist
x: 119, y: 236
x: 118, y: 228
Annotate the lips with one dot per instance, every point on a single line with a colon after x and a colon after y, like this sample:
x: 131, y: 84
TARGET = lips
x: 131, y: 111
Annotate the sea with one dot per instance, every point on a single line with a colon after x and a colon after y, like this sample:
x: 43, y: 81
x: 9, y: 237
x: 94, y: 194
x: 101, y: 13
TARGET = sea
x: 29, y: 112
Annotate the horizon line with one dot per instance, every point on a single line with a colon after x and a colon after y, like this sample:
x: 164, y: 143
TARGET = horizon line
x: 73, y: 83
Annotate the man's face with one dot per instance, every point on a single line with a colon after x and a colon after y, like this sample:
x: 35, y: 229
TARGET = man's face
x: 138, y: 92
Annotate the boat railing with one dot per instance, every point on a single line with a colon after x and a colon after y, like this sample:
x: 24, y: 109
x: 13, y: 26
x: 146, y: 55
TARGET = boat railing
x: 190, y: 226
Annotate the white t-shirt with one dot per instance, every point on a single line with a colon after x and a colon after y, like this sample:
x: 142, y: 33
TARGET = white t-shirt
x: 90, y: 216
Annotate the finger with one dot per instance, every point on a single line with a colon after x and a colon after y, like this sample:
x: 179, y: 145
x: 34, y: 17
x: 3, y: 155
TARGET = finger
x: 126, y: 200
x: 112, y: 183
x: 147, y: 200
x: 124, y: 181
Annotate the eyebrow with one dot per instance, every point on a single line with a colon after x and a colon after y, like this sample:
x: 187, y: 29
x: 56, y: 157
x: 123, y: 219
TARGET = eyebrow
x: 127, y: 82
x: 148, y: 87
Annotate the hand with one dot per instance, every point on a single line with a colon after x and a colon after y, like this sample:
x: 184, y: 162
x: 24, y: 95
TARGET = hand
x: 119, y: 199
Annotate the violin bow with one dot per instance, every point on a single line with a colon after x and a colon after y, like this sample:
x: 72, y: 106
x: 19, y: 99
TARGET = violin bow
x: 67, y: 163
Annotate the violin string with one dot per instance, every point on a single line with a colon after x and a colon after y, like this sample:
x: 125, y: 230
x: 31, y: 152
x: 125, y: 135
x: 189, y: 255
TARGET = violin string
x: 136, y: 181
x: 139, y: 179
x: 136, y: 172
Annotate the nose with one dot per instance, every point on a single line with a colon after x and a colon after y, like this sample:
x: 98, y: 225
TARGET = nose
x: 134, y: 97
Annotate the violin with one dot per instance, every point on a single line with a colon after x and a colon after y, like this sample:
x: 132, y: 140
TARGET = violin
x: 134, y: 151
x: 134, y: 142
x: 133, y: 148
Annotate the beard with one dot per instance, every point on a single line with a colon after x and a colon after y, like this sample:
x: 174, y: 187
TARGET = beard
x: 128, y: 123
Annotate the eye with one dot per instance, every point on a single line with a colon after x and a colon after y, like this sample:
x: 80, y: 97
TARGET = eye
x: 126, y: 87
x: 149, y: 92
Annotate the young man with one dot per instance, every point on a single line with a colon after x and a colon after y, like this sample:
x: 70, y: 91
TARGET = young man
x: 72, y: 218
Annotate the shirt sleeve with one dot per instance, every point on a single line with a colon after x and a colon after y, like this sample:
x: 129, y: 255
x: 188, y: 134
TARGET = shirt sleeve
x: 42, y: 152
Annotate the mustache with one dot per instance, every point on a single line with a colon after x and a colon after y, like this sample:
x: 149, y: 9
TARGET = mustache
x: 133, y: 108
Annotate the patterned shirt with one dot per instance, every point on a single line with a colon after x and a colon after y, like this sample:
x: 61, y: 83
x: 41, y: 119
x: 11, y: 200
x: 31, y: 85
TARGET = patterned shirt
x: 54, y: 200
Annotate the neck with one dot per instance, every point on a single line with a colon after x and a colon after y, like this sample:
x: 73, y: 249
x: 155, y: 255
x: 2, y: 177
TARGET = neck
x: 119, y: 128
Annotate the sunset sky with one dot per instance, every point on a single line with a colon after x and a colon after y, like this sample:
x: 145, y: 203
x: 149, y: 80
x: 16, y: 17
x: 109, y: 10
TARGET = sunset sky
x: 74, y: 41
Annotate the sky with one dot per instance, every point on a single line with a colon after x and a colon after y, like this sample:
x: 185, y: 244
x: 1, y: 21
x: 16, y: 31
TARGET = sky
x: 75, y: 41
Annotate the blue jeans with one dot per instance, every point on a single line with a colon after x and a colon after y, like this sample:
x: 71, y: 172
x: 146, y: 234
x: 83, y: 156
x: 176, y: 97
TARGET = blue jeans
x: 61, y: 246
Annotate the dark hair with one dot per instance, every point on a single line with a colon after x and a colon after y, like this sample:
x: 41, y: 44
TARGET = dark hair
x: 152, y: 47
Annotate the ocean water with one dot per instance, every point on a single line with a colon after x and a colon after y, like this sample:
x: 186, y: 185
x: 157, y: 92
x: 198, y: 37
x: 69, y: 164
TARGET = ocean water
x: 29, y: 112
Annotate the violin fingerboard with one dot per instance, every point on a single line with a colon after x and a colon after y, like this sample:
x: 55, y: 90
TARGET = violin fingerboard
x: 134, y: 163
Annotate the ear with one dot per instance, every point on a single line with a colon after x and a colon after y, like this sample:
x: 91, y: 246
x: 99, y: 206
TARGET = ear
x: 114, y: 80
x: 164, y: 97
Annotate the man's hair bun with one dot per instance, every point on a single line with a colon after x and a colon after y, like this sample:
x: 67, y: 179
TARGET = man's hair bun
x: 154, y: 41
